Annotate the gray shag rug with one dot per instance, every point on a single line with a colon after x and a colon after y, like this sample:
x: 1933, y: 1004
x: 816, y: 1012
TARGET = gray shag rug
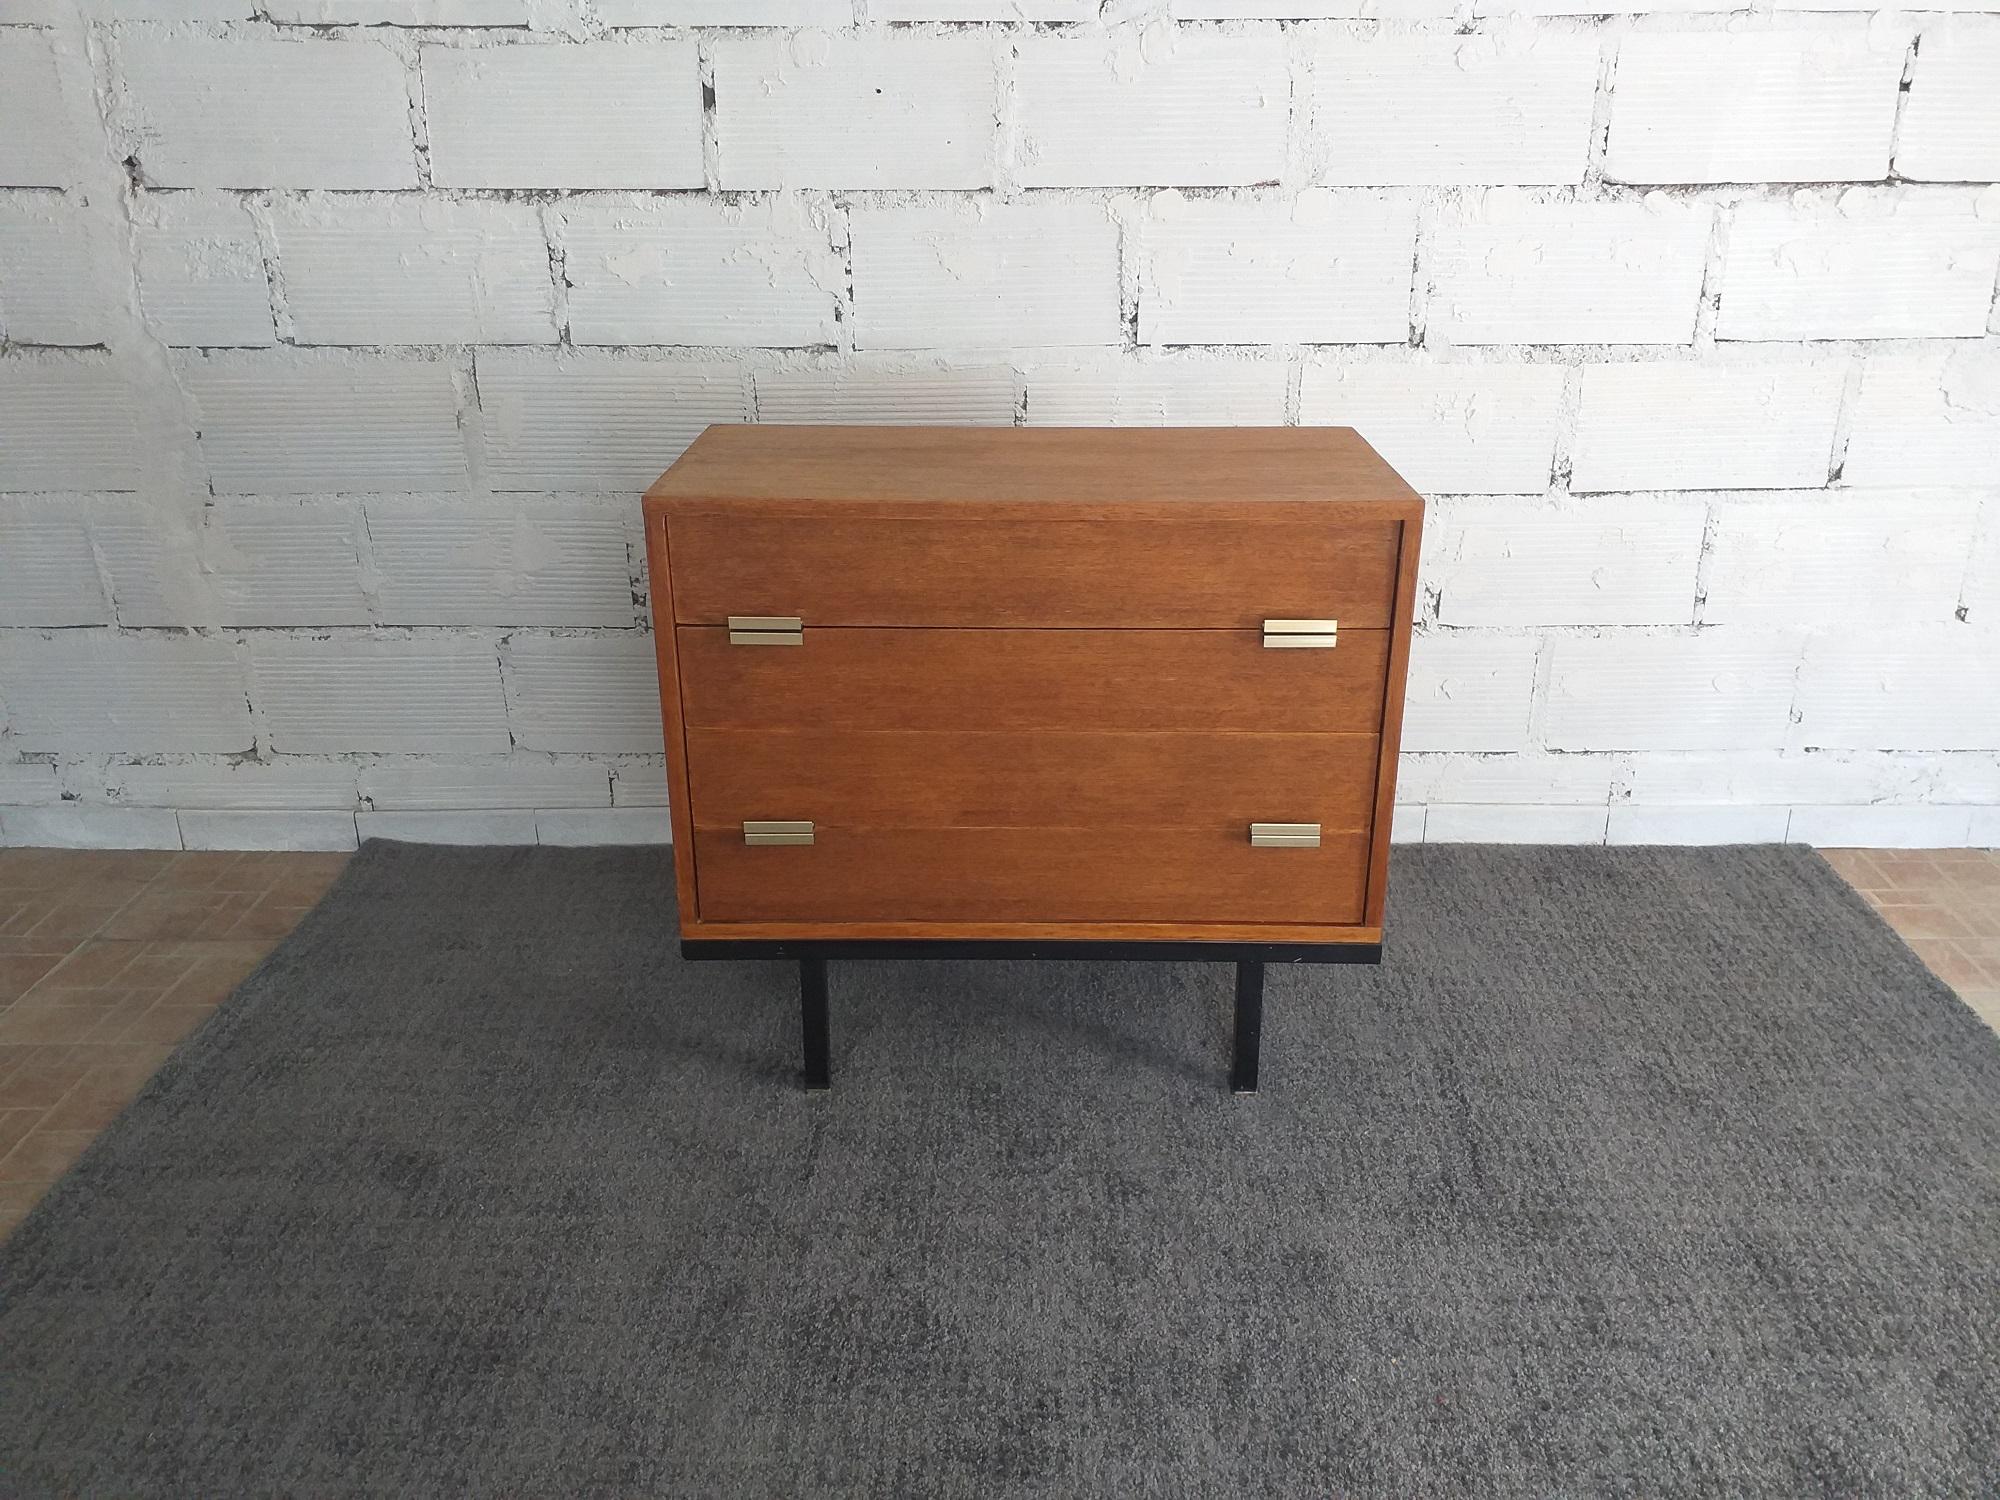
x: 1630, y: 1172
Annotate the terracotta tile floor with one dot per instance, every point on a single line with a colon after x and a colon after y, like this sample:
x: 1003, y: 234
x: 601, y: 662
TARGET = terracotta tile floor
x: 109, y: 958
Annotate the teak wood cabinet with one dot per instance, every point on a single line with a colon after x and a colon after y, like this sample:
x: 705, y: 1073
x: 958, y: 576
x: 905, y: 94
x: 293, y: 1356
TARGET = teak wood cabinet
x: 1109, y: 692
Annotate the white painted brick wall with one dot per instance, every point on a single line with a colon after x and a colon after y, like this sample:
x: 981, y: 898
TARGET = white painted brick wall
x: 1927, y: 419
x: 596, y: 421
x: 1185, y: 108
x: 91, y: 691
x: 201, y: 271
x: 885, y: 109
x: 1950, y: 129
x: 693, y: 271
x: 1716, y: 689
x: 275, y: 424
x: 1723, y: 106
x: 248, y: 113
x: 1323, y: 267
x: 537, y: 115
x: 1618, y: 560
x: 58, y: 279
x: 1921, y: 265
x: 1023, y: 275
x: 1686, y: 426
x: 1511, y: 271
x: 361, y: 269
x: 338, y: 336
x: 1513, y: 106
x: 1445, y: 427
x: 438, y: 695
x: 1886, y: 556
x: 68, y: 424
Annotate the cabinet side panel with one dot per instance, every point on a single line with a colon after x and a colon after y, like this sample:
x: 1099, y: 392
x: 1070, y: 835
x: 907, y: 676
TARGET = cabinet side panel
x: 660, y: 590
x: 1402, y: 623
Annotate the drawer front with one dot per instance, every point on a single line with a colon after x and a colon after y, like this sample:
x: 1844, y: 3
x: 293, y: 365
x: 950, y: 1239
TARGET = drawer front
x: 1032, y: 679
x: 1112, y: 780
x: 1030, y: 875
x: 1157, y: 567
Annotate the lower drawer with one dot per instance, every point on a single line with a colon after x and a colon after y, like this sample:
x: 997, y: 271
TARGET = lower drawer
x: 1172, y: 875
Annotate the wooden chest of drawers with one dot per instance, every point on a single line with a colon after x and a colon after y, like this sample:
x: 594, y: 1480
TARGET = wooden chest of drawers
x: 938, y: 686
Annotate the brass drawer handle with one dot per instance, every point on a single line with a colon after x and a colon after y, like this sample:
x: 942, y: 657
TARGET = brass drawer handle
x: 760, y: 834
x: 1321, y: 635
x: 766, y: 630
x: 1284, y: 835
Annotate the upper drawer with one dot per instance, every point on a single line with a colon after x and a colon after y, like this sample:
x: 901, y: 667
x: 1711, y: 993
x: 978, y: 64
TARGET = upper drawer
x: 1190, y: 565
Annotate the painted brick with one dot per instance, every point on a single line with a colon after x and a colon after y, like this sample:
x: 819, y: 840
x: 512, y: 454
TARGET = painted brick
x: 437, y: 695
x: 1185, y: 109
x: 1913, y: 690
x: 543, y: 562
x: 28, y: 784
x: 1892, y: 557
x: 1162, y: 391
x: 235, y: 829
x: 694, y: 271
x: 91, y: 691
x: 609, y: 825
x: 255, y: 785
x: 48, y: 575
x: 1484, y: 8
x: 366, y: 270
x: 1763, y: 778
x: 488, y: 826
x: 1618, y: 561
x: 68, y: 425
x: 982, y: 10
x: 596, y: 421
x: 402, y: 12
x: 1698, y: 825
x: 148, y: 547
x: 640, y: 781
x: 1985, y: 829
x: 1981, y: 594
x: 1515, y: 272
x: 894, y: 110
x: 1327, y: 267
x: 1021, y: 275
x: 1733, y: 426
x: 1468, y: 692
x: 1450, y: 823
x: 1950, y: 129
x: 1406, y: 824
x: 1768, y: 106
x: 201, y: 271
x: 1479, y: 428
x: 167, y: 10
x: 825, y: 14
x: 40, y: 145
x: 605, y: 115
x: 1875, y: 267
x: 71, y: 826
x: 58, y: 282
x: 583, y: 693
x: 1309, y: 10
x: 1881, y: 827
x: 897, y: 390
x: 282, y: 425
x: 1719, y: 689
x: 278, y: 562
x: 527, y: 782
x: 245, y: 113
x: 1532, y: 779
x: 1926, y: 419
x: 1513, y: 106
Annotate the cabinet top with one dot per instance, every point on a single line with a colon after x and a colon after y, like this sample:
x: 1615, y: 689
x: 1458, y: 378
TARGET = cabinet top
x: 1103, y: 464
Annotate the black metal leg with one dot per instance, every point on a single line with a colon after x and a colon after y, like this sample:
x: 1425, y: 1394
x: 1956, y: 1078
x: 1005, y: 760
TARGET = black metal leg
x: 813, y: 1021
x: 1249, y: 1026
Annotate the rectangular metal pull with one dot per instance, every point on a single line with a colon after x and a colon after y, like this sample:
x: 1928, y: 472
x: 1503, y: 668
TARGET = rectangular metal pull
x: 1284, y: 835
x: 756, y: 834
x: 766, y: 630
x: 1322, y: 635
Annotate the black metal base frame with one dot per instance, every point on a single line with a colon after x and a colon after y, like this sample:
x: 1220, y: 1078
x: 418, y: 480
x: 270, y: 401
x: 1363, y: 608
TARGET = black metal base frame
x: 1249, y: 958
